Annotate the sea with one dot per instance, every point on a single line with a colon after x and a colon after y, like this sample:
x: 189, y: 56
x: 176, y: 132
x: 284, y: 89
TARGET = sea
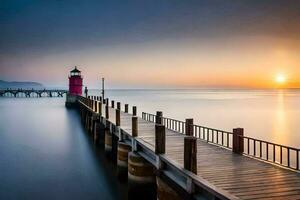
x: 45, y: 153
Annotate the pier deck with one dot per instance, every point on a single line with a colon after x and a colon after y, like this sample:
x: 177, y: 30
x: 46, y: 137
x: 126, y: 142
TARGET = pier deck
x: 221, y: 172
x: 241, y: 176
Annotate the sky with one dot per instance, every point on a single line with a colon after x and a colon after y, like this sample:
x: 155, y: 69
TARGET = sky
x: 152, y: 43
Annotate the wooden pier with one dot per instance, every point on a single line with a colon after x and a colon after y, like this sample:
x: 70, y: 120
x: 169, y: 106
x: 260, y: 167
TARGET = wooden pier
x: 199, y: 162
x: 32, y: 93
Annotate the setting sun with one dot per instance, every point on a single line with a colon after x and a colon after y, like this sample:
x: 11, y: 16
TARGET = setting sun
x: 280, y: 78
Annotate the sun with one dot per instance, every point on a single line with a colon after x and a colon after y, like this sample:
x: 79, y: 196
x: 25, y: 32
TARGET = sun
x: 280, y: 78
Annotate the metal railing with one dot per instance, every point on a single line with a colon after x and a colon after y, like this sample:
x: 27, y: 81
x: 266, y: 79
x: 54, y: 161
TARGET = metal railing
x: 215, y: 136
x: 275, y: 153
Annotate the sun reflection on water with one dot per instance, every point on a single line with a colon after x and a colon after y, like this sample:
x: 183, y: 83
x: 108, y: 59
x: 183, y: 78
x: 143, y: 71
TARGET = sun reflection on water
x: 281, y: 122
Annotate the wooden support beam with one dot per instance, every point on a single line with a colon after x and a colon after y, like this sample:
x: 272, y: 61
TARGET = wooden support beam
x: 160, y: 139
x: 134, y: 110
x: 238, y: 140
x: 190, y: 154
x: 134, y: 126
x: 189, y: 130
x: 159, y: 116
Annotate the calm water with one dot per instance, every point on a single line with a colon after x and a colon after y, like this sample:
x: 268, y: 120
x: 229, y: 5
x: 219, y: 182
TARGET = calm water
x: 272, y: 115
x: 44, y: 154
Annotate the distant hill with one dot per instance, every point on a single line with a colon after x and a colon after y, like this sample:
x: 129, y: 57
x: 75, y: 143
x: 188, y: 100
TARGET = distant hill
x: 17, y: 84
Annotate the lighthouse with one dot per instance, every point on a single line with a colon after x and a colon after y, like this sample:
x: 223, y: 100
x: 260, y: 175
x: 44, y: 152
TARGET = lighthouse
x: 75, y: 82
x: 75, y: 87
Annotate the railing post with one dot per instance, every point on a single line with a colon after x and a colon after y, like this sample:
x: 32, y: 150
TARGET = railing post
x: 134, y: 110
x: 86, y: 92
x: 96, y: 104
x: 107, y: 102
x: 158, y: 118
x: 100, y: 108
x: 190, y: 154
x: 238, y: 140
x: 118, y: 118
x: 134, y: 126
x: 92, y: 104
x: 160, y: 139
x: 189, y: 130
x: 106, y: 110
x: 112, y: 103
x: 143, y: 116
x: 118, y: 105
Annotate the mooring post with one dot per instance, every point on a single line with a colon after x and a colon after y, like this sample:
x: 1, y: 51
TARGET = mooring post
x: 134, y: 110
x: 158, y: 117
x: 126, y: 108
x: 190, y: 154
x: 189, y: 127
x: 160, y: 139
x: 112, y: 103
x: 134, y: 126
x: 238, y: 140
x: 118, y: 105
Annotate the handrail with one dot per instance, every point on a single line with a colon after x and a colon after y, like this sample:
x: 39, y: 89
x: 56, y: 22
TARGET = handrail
x: 272, y: 152
x: 210, y: 135
x: 259, y: 149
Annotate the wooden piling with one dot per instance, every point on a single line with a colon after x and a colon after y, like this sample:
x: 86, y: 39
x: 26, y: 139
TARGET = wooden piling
x: 190, y: 154
x: 126, y: 108
x: 160, y: 139
x: 189, y: 127
x: 119, y: 105
x: 238, y: 140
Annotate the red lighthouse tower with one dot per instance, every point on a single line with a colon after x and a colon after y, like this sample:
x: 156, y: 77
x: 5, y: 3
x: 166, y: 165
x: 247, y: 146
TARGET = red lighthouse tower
x: 75, y: 82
